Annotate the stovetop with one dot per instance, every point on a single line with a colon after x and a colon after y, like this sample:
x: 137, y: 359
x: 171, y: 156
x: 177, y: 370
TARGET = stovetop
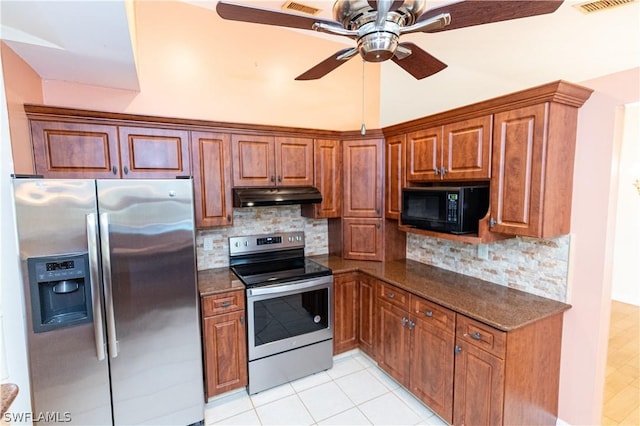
x: 261, y: 260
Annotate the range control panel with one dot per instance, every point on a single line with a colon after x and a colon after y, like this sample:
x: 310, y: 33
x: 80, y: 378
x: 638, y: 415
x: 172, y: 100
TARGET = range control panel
x: 263, y: 243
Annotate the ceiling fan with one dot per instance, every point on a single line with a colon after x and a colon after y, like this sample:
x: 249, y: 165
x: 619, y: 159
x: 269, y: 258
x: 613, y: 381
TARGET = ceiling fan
x: 378, y: 25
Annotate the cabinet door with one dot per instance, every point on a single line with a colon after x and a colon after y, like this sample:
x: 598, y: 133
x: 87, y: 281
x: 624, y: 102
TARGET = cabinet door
x: 363, y: 178
x: 367, y: 316
x: 294, y: 161
x: 466, y: 150
x: 432, y: 367
x: 154, y: 153
x: 211, y: 153
x: 423, y: 155
x: 393, y: 341
x: 328, y: 180
x: 394, y: 176
x: 75, y: 150
x: 478, y: 386
x: 225, y: 353
x: 362, y: 238
x: 345, y: 324
x: 253, y: 160
x: 516, y: 187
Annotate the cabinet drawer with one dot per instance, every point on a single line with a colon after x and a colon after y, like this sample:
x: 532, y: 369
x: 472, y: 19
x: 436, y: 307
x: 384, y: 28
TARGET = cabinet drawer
x: 222, y: 303
x: 393, y: 295
x: 481, y: 335
x: 434, y: 314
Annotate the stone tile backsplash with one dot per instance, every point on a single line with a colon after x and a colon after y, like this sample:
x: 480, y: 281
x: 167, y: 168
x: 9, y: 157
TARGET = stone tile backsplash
x: 533, y: 265
x: 260, y: 220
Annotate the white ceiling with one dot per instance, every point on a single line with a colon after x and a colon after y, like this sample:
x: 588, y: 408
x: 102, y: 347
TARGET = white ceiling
x: 90, y: 42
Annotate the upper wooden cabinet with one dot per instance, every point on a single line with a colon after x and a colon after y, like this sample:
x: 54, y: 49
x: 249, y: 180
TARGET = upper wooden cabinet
x: 458, y: 151
x: 363, y: 177
x: 154, y: 152
x: 211, y: 156
x: 263, y: 161
x: 89, y: 150
x: 75, y: 150
x: 394, y: 176
x: 533, y: 151
x: 327, y: 178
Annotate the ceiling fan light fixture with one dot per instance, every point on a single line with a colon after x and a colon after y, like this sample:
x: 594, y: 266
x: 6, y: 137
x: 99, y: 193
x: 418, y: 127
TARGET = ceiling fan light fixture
x: 377, y: 47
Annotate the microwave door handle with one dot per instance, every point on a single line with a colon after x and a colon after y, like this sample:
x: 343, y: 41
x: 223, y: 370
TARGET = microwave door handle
x: 94, y: 276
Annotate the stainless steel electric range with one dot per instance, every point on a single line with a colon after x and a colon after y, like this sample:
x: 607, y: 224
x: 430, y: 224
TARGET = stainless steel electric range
x: 289, y: 308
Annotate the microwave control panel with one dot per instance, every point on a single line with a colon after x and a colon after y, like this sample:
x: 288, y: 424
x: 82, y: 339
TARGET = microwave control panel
x: 452, y: 207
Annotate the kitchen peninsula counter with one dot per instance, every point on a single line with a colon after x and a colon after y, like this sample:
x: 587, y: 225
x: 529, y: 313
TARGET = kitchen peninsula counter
x: 495, y: 305
x: 501, y: 307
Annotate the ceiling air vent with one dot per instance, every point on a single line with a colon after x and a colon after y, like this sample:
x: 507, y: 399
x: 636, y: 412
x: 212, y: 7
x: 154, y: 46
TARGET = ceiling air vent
x: 598, y: 5
x: 294, y: 6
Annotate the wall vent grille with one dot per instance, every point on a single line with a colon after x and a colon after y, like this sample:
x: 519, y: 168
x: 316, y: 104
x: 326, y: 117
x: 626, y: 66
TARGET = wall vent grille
x: 598, y: 5
x: 294, y: 6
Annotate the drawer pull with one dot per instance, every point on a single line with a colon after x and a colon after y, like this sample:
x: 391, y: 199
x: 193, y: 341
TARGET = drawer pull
x: 475, y: 335
x: 411, y: 325
x: 404, y: 321
x: 391, y: 295
x: 428, y: 313
x: 226, y: 304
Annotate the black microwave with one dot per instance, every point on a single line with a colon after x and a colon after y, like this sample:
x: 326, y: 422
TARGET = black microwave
x: 451, y: 209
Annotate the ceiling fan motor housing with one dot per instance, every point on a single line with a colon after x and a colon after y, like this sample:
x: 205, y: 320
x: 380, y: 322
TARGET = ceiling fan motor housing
x: 376, y: 44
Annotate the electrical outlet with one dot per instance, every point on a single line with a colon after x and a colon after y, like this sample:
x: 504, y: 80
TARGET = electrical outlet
x: 483, y: 252
x: 208, y: 243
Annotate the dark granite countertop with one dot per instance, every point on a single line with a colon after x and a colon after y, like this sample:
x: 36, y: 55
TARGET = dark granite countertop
x: 498, y: 306
x: 218, y: 280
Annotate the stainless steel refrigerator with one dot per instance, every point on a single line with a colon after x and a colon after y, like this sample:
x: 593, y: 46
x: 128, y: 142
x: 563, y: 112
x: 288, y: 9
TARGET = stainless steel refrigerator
x: 112, y: 304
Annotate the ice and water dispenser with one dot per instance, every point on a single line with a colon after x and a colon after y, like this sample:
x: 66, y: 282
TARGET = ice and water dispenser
x: 60, y: 290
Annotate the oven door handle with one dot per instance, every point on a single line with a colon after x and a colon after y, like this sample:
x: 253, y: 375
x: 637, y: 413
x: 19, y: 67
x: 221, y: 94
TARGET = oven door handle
x: 290, y: 287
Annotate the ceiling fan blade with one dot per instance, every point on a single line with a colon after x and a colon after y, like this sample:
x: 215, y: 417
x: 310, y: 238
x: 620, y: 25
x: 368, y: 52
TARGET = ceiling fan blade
x: 419, y: 63
x: 477, y: 12
x: 258, y: 15
x: 329, y: 64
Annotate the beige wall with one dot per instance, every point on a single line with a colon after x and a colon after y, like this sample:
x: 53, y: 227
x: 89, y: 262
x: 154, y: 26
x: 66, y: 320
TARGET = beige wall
x: 201, y: 67
x: 586, y: 326
x: 22, y: 86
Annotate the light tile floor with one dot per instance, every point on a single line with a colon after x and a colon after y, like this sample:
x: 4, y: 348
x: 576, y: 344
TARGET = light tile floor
x: 354, y: 392
x: 622, y: 383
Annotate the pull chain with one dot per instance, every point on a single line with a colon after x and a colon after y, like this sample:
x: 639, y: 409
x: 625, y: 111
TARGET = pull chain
x: 363, y: 128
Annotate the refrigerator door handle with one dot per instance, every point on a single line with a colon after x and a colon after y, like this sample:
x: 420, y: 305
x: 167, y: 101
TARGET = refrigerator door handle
x: 106, y: 282
x: 94, y: 276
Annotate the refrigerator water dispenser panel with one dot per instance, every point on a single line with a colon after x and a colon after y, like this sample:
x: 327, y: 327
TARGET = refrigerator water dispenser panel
x: 60, y: 291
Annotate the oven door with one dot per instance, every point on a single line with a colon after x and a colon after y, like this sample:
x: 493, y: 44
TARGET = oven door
x: 286, y: 316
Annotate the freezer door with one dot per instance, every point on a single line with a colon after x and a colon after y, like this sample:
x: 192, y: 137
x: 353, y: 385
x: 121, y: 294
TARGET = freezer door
x: 151, y: 301
x: 69, y: 372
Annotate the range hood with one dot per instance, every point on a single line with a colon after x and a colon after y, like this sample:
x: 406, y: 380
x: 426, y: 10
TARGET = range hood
x: 257, y: 197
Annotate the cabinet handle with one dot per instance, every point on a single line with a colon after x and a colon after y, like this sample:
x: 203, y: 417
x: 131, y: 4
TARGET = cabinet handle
x: 391, y: 295
x: 126, y: 170
x: 492, y: 223
x: 475, y: 335
x: 226, y: 304
x: 404, y: 321
x: 114, y: 170
x: 457, y: 350
x: 279, y: 179
x: 411, y: 325
x: 273, y: 178
x: 228, y: 218
x: 436, y: 171
x: 444, y: 171
x: 428, y: 313
x: 241, y: 320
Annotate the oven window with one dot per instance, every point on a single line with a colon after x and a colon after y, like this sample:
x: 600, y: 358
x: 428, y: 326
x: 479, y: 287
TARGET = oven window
x: 289, y: 316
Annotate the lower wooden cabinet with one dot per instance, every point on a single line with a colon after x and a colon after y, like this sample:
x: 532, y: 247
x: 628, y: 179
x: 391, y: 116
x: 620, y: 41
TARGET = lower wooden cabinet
x: 366, y: 316
x: 345, y: 323
x: 225, y: 342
